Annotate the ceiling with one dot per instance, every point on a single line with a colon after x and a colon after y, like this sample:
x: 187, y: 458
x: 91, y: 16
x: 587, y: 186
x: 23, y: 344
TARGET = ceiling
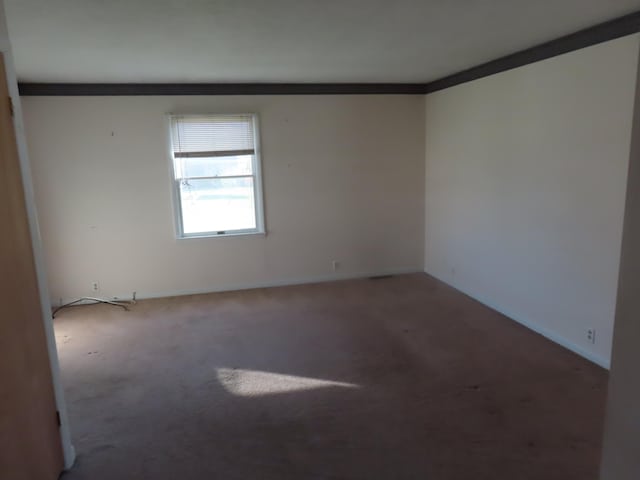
x: 282, y: 40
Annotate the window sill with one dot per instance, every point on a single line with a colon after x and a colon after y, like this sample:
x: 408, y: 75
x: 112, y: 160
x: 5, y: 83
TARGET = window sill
x: 221, y: 235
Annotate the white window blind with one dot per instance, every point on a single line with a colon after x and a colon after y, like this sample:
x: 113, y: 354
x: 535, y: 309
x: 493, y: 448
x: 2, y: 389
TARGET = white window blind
x: 213, y: 136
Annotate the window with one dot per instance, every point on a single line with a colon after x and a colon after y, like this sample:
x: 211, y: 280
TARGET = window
x: 216, y: 167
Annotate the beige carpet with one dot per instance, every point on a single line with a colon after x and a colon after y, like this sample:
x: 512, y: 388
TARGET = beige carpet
x: 396, y: 378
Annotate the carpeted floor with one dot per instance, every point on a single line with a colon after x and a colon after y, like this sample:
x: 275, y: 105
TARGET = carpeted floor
x: 395, y: 378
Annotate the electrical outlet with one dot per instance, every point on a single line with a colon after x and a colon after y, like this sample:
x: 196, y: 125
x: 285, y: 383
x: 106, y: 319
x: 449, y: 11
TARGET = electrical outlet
x: 591, y: 335
x: 94, y: 286
x: 335, y: 264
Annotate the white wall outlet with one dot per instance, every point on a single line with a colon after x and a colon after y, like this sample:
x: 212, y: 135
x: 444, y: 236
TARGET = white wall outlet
x: 591, y: 335
x: 335, y: 265
x: 94, y: 286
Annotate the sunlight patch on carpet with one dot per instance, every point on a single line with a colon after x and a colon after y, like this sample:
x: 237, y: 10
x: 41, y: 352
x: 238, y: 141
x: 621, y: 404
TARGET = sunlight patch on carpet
x: 251, y: 383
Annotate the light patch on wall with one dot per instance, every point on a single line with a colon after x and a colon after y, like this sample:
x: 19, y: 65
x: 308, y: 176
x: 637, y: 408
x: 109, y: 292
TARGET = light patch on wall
x: 252, y: 383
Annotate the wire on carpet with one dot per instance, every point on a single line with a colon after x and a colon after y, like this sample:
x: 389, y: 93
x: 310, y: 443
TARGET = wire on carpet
x: 94, y: 301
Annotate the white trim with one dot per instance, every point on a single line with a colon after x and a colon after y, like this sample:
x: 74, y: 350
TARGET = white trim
x: 68, y: 451
x: 554, y: 337
x: 264, y: 284
x: 176, y: 208
x: 258, y: 185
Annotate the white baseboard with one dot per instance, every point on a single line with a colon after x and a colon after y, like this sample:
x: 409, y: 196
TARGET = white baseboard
x: 545, y: 332
x: 335, y: 276
x: 332, y: 277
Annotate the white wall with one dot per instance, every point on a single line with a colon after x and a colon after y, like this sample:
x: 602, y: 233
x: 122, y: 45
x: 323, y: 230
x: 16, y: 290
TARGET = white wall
x: 620, y: 459
x: 12, y: 82
x: 525, y: 187
x: 343, y: 180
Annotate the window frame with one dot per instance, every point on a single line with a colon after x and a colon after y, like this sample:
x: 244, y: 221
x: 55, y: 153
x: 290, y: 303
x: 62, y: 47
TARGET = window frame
x: 257, y: 182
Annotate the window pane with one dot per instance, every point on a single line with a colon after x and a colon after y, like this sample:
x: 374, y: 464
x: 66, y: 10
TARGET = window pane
x: 217, y: 205
x: 216, y: 166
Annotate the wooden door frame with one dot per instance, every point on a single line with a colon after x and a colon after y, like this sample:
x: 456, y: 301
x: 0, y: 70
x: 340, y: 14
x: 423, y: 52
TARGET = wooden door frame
x: 65, y: 437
